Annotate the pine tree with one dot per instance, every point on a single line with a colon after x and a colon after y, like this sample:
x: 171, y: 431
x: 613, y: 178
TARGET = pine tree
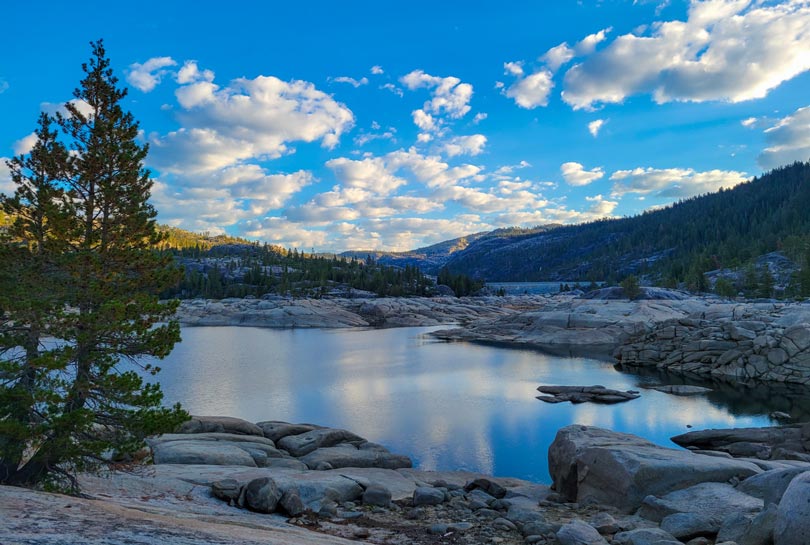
x: 102, y: 246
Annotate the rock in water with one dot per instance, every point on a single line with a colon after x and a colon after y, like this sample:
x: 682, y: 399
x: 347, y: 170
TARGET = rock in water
x: 220, y: 424
x: 793, y: 515
x: 619, y: 469
x: 583, y: 394
x: 304, y: 443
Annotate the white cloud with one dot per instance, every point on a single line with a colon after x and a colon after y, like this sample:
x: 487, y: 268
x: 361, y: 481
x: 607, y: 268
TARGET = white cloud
x: 371, y: 174
x: 465, y: 145
x: 731, y: 50
x: 3, y: 86
x: 145, y: 77
x: 365, y: 137
x: 749, y: 122
x: 588, y: 44
x: 6, y: 185
x: 25, y: 144
x: 450, y: 96
x: 393, y: 88
x: 601, y: 206
x: 788, y: 140
x: 531, y: 91
x: 249, y: 119
x: 508, y: 169
x: 191, y: 73
x: 351, y: 81
x: 595, y: 126
x: 575, y: 174
x: 423, y: 120
x: 673, y: 183
x: 558, y: 56
x: 513, y: 68
x: 377, y: 70
x: 479, y: 117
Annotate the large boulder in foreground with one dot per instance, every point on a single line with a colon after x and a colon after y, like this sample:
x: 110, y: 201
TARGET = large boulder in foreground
x: 589, y: 464
x: 793, y: 515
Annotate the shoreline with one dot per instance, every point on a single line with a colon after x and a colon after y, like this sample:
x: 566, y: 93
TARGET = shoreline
x: 232, y: 482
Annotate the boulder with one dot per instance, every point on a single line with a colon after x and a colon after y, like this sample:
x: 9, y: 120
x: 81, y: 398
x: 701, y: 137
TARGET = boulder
x: 427, y: 495
x: 291, y: 503
x: 645, y: 536
x: 793, y: 514
x: 378, y: 495
x: 275, y: 430
x: 747, y: 530
x: 202, y: 452
x: 770, y: 485
x: 577, y: 532
x: 227, y: 490
x: 219, y: 424
x: 304, y: 443
x: 262, y: 495
x: 618, y: 469
x: 348, y: 455
x: 490, y: 487
x: 711, y: 502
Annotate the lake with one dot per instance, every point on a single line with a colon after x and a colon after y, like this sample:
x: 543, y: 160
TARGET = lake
x: 446, y: 405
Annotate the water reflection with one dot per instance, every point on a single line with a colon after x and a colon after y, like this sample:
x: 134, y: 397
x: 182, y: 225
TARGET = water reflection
x: 447, y: 405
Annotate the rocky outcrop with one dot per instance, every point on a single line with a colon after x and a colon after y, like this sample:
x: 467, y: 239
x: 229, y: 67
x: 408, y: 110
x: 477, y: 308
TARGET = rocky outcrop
x: 296, y: 446
x: 564, y: 320
x: 280, y: 312
x: 584, y: 394
x: 736, y: 342
x: 790, y: 442
x: 589, y: 464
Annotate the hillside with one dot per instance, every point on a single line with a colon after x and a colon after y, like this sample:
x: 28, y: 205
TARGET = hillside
x: 676, y: 244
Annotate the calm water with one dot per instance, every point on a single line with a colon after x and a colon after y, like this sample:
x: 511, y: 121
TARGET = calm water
x: 447, y: 405
x: 533, y: 288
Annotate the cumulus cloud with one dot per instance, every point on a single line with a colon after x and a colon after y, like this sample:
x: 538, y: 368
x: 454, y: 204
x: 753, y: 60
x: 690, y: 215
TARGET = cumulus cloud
x: 673, y: 183
x: 479, y: 117
x: 575, y: 174
x: 465, y: 145
x: 145, y: 77
x: 730, y: 50
x: 601, y: 206
x: 595, y: 126
x: 558, y: 56
x: 531, y: 91
x: 25, y: 144
x: 449, y: 96
x: 190, y: 73
x: 508, y: 169
x: 351, y: 81
x: 377, y: 70
x: 248, y: 119
x: 788, y: 140
x: 748, y: 122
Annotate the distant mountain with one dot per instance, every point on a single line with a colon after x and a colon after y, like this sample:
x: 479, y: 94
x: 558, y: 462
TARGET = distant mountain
x: 679, y: 243
x: 432, y: 258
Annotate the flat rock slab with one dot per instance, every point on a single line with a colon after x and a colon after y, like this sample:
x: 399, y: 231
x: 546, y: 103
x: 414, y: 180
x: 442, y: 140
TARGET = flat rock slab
x: 202, y: 452
x: 40, y: 518
x: 583, y: 394
x: 681, y: 389
x: 350, y: 456
x: 620, y: 470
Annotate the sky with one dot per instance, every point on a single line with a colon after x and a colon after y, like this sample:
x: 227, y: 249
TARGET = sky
x: 393, y: 125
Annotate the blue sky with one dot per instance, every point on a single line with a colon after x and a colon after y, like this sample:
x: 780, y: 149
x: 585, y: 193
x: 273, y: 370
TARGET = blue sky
x: 381, y: 125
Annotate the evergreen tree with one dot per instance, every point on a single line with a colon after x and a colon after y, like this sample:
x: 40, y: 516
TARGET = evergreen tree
x: 102, y: 246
